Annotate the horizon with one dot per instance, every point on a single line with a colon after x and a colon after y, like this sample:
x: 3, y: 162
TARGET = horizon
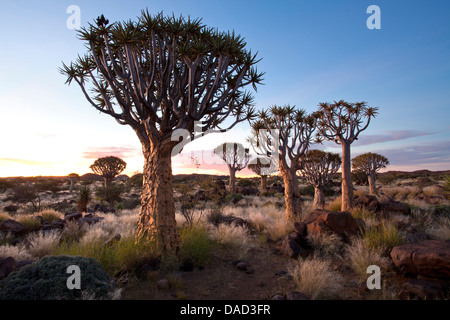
x: 311, y: 53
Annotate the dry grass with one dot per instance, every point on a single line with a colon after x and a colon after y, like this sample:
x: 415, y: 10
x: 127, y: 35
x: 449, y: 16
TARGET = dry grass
x: 17, y: 252
x: 360, y: 256
x: 440, y: 229
x: 315, y: 277
x: 51, y: 215
x: 232, y: 237
x: 335, y: 204
x: 41, y: 244
x: 326, y: 245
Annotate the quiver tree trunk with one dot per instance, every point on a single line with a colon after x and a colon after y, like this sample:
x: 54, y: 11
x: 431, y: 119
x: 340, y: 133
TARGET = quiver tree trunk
x: 263, y: 186
x: 372, y: 186
x: 347, y: 185
x: 291, y: 194
x: 157, y: 215
x: 319, y: 198
x: 232, y: 182
x: 107, y: 182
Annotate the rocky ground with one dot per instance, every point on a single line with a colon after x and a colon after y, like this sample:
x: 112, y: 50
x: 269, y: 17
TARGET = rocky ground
x: 271, y: 262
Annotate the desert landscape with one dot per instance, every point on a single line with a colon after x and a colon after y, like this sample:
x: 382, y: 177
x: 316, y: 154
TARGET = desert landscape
x: 236, y: 245
x: 203, y: 152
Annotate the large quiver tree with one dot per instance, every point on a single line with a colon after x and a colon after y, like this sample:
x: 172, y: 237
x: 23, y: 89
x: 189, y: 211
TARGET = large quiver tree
x: 318, y: 168
x: 286, y: 133
x: 342, y: 122
x: 262, y: 168
x: 162, y: 76
x: 370, y: 163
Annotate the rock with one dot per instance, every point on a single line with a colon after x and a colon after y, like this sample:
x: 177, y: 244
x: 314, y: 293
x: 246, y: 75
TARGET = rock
x: 99, y: 208
x: 390, y: 205
x: 72, y: 216
x: 296, y: 295
x: 422, y: 289
x: 11, y: 208
x: 300, y: 228
x: 187, y: 266
x: 11, y: 226
x: 291, y: 247
x: 276, y: 187
x: 7, y: 265
x: 249, y: 271
x: 163, y: 284
x: 112, y: 240
x: 367, y: 201
x: 429, y: 258
x: 247, y: 191
x: 242, y: 266
x: 57, y: 225
x: 278, y: 297
x: 341, y: 223
x: 90, y: 220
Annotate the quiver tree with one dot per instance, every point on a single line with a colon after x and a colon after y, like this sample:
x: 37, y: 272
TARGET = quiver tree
x: 342, y: 122
x: 262, y: 168
x: 236, y: 157
x: 168, y: 78
x: 370, y: 163
x: 285, y: 133
x: 318, y: 168
x: 108, y: 168
x: 73, y: 177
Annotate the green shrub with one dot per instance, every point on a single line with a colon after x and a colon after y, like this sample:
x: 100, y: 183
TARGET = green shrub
x: 29, y: 222
x: 195, y: 244
x: 385, y: 236
x: 233, y: 197
x: 242, y: 182
x: 84, y: 197
x: 335, y: 205
x: 110, y: 194
x: 47, y: 278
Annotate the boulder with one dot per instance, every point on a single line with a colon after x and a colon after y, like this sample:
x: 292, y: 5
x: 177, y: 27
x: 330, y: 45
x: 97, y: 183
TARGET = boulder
x: 11, y: 208
x: 90, y: 220
x: 13, y: 227
x: 341, y: 223
x: 300, y: 228
x: 296, y: 295
x: 423, y: 289
x: 429, y: 258
x: 291, y: 246
x: 56, y: 225
x: 72, y: 216
x: 390, y: 205
x: 367, y: 201
x: 247, y: 191
x: 7, y: 265
x: 163, y: 284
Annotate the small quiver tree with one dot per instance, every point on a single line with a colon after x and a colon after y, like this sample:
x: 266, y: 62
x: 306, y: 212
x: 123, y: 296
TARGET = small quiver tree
x: 318, y: 168
x: 73, y: 177
x: 286, y: 132
x: 262, y: 167
x: 370, y: 163
x: 342, y: 122
x: 236, y: 157
x: 108, y: 168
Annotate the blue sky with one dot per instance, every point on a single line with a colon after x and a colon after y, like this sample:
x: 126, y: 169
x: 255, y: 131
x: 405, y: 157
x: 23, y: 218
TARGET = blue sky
x: 312, y: 51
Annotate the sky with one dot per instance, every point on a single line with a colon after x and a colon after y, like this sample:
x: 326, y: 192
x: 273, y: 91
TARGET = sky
x: 312, y: 52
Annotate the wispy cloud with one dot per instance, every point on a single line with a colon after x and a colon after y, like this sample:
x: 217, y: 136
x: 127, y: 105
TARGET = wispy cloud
x: 390, y: 135
x: 121, y: 152
x: 420, y: 154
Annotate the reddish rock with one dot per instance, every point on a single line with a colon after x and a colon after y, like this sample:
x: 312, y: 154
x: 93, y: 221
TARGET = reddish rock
x: 367, y: 201
x: 422, y: 289
x: 429, y: 258
x: 291, y: 246
x: 7, y: 265
x: 11, y: 226
x: 390, y: 205
x: 341, y: 223
x: 73, y: 216
x: 300, y: 228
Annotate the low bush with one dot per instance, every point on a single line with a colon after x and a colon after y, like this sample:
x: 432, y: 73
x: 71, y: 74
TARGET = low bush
x: 385, y: 236
x: 195, y: 244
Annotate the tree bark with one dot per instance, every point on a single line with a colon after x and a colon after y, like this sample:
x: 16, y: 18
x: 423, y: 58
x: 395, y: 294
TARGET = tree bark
x: 319, y: 198
x: 347, y: 185
x: 157, y: 214
x: 108, y: 181
x: 232, y: 183
x: 291, y: 194
x: 263, y: 183
x: 372, y: 186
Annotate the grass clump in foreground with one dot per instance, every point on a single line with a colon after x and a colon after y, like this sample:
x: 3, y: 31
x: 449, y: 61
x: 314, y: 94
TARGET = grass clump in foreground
x: 315, y: 277
x: 121, y: 255
x: 385, y: 236
x: 195, y: 244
